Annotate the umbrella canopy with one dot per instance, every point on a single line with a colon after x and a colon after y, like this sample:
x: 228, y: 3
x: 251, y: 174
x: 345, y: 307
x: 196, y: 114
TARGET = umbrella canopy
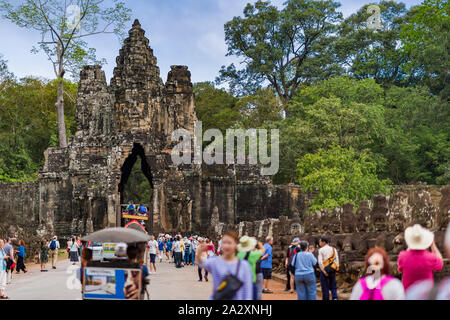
x: 115, y: 235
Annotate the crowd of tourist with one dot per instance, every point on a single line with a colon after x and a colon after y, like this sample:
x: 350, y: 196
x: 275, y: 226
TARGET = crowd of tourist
x: 10, y: 259
x: 14, y: 259
x: 241, y: 269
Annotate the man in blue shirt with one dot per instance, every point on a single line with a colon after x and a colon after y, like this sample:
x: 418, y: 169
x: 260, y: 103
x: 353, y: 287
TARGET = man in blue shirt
x: 266, y: 264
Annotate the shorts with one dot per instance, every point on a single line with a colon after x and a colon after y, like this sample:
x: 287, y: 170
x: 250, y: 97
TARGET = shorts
x: 152, y: 258
x: 291, y: 270
x: 267, y: 273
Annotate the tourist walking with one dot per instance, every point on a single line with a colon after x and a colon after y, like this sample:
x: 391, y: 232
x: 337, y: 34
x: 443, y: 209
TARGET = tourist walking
x: 292, y: 250
x: 10, y: 264
x: 73, y: 251
x: 161, y: 245
x: 328, y: 263
x: 20, y: 257
x: 153, y: 251
x: 251, y: 250
x: 417, y: 263
x: 3, y: 258
x: 428, y: 289
x: 305, y: 277
x: 266, y: 265
x: 232, y: 277
x: 80, y: 245
x: 168, y: 249
x: 205, y: 256
x: 69, y: 245
x: 194, y: 246
x: 378, y: 284
x: 43, y: 255
x: 54, y: 247
x: 187, y: 251
x: 177, y: 252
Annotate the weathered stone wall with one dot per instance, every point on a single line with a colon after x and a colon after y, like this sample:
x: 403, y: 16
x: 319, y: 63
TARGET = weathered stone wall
x: 380, y: 222
x: 19, y: 213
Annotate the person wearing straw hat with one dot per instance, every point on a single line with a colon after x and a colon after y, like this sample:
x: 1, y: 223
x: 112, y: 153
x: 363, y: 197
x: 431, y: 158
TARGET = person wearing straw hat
x: 249, y: 249
x: 417, y: 263
x: 428, y: 290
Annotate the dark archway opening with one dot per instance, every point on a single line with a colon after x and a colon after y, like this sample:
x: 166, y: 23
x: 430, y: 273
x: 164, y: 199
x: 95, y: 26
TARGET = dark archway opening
x: 136, y: 181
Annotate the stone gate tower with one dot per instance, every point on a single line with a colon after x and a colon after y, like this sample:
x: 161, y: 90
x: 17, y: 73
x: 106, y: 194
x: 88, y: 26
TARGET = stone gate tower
x: 80, y: 186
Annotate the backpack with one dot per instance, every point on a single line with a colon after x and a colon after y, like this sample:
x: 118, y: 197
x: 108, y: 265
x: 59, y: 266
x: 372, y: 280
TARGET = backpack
x: 330, y: 264
x: 143, y: 209
x: 53, y: 245
x: 292, y: 254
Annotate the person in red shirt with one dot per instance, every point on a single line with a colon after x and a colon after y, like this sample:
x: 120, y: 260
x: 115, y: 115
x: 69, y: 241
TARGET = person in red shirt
x: 417, y: 263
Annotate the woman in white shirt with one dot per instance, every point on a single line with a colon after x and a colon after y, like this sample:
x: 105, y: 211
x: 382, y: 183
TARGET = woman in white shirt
x: 378, y: 284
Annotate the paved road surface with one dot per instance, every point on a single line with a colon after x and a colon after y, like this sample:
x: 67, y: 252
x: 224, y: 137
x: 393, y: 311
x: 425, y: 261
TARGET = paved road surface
x: 168, y: 283
x: 36, y: 285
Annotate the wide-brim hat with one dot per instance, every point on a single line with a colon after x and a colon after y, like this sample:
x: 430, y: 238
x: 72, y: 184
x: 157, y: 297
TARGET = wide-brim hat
x: 246, y: 243
x: 418, y: 238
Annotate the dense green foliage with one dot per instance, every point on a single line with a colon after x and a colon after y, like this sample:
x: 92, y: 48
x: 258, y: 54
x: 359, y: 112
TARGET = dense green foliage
x: 339, y: 175
x: 357, y: 109
x: 28, y: 124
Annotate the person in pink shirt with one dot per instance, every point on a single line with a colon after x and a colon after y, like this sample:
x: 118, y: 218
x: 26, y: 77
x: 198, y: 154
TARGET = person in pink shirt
x: 417, y: 263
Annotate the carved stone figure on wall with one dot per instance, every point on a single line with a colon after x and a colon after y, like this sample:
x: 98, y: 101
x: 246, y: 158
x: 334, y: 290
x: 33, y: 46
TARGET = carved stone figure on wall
x: 423, y: 209
x: 363, y: 215
x: 399, y: 212
x: 379, y: 213
x: 348, y: 218
x: 296, y: 227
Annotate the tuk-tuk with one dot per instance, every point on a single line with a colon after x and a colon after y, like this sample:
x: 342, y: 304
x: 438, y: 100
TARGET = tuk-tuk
x: 117, y: 278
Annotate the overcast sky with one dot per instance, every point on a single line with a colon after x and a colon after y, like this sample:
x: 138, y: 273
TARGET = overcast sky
x: 182, y: 32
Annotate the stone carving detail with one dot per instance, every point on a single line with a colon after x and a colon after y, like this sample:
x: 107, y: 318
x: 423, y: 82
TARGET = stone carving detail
x: 296, y: 227
x: 363, y: 216
x: 423, y: 210
x: 348, y: 218
x: 379, y: 213
x: 400, y: 212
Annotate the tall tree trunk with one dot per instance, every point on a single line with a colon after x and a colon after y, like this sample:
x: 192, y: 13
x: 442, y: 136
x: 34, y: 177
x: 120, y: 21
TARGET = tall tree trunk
x: 60, y: 99
x: 60, y: 110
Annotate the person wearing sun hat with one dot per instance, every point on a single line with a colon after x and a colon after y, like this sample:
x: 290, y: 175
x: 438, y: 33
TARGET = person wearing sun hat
x: 428, y: 289
x: 251, y: 250
x: 417, y: 263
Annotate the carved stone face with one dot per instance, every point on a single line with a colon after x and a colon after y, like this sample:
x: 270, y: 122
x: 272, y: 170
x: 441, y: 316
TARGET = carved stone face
x: 347, y: 244
x: 296, y: 229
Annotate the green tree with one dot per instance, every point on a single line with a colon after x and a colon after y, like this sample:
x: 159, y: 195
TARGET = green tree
x: 339, y: 175
x: 4, y: 72
x: 342, y: 111
x: 63, y: 26
x: 426, y: 40
x: 259, y: 109
x: 215, y: 107
x: 370, y: 53
x: 417, y: 144
x: 28, y: 124
x: 283, y: 48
